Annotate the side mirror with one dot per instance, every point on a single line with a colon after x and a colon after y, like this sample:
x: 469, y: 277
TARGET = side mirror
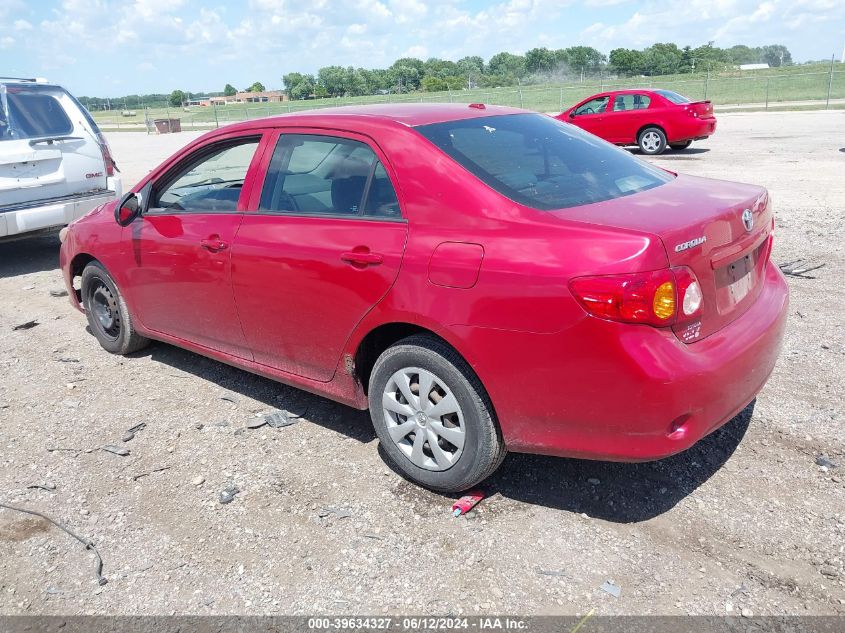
x: 127, y: 209
x: 572, y: 114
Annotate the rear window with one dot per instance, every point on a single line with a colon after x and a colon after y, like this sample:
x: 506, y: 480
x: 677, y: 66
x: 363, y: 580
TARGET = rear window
x: 31, y: 114
x: 674, y: 97
x: 542, y: 163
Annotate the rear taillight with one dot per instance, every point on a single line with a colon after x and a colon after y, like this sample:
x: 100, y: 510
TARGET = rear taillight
x: 661, y: 298
x: 107, y: 158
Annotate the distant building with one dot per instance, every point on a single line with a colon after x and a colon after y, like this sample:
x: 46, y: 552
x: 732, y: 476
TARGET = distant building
x: 242, y: 97
x: 753, y: 66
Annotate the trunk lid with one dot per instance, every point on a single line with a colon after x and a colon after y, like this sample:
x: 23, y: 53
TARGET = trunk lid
x: 700, y: 222
x: 701, y: 109
x: 46, y: 149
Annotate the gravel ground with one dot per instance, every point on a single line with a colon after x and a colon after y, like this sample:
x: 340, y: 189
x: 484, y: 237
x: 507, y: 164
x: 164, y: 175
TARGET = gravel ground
x: 744, y: 522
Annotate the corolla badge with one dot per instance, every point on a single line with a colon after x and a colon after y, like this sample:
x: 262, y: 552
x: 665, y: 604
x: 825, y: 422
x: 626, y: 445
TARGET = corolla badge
x: 748, y: 220
x: 686, y: 245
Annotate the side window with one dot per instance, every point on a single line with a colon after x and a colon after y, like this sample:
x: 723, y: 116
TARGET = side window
x: 211, y: 182
x: 641, y: 102
x: 310, y: 174
x: 593, y: 106
x: 623, y: 103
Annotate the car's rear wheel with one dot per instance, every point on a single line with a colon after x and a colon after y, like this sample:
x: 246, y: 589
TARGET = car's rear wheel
x: 108, y: 316
x: 652, y: 141
x: 678, y: 146
x: 432, y: 415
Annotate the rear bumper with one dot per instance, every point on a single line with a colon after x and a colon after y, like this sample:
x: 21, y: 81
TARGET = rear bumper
x: 22, y: 219
x: 611, y: 391
x: 696, y: 130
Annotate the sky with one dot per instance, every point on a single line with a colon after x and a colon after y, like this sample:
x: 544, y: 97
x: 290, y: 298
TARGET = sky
x: 116, y: 47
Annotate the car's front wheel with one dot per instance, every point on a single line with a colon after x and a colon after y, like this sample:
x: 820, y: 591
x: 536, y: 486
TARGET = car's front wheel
x: 108, y: 316
x: 652, y: 141
x: 678, y: 146
x: 432, y: 415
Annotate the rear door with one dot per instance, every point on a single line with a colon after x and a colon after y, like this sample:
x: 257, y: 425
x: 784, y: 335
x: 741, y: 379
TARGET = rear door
x: 177, y: 255
x: 324, y: 247
x: 47, y: 150
x: 626, y: 116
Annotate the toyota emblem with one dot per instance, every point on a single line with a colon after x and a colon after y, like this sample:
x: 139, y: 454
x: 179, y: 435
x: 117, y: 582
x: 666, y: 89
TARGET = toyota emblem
x: 748, y: 220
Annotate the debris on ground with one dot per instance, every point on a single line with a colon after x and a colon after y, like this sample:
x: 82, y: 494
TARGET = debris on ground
x: 824, y: 461
x: 229, y: 493
x: 98, y: 569
x: 550, y: 572
x: 67, y: 359
x: 467, y: 502
x: 154, y: 470
x: 798, y: 268
x: 611, y: 588
x: 278, y: 419
x: 229, y: 397
x: 58, y: 293
x: 130, y: 433
x: 256, y: 423
x: 199, y: 480
x: 49, y: 487
x: 25, y: 326
x: 340, y: 514
x: 117, y: 450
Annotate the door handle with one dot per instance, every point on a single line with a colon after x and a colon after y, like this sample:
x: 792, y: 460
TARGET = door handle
x: 214, y: 244
x: 362, y: 258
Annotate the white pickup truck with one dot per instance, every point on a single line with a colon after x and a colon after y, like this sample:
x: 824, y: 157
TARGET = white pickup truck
x: 55, y: 164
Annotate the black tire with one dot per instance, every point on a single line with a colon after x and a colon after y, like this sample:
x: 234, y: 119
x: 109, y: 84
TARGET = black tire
x: 680, y: 146
x: 652, y: 141
x: 108, y: 316
x: 483, y: 449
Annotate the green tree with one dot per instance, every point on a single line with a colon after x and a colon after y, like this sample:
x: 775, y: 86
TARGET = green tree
x: 430, y: 83
x: 582, y: 58
x: 626, y: 61
x: 507, y: 64
x: 230, y: 90
x: 177, y: 98
x: 256, y: 87
x: 540, y: 60
x: 776, y: 55
x: 407, y: 73
x: 334, y: 80
x: 661, y: 59
x: 299, y: 86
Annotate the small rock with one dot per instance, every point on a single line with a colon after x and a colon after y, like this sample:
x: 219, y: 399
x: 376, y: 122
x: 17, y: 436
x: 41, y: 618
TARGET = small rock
x: 199, y: 480
x: 830, y: 571
x: 25, y: 326
x: 228, y: 494
x: 825, y: 462
x: 58, y: 293
x: 72, y: 404
x: 256, y: 423
x: 84, y: 512
x: 746, y: 613
x: 729, y: 607
x: 594, y: 481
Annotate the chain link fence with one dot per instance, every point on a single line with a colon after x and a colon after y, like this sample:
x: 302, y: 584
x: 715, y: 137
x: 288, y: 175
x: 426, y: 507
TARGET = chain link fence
x: 749, y: 91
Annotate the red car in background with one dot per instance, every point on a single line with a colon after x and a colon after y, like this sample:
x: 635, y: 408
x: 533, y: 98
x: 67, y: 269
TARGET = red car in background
x: 483, y: 279
x: 651, y: 119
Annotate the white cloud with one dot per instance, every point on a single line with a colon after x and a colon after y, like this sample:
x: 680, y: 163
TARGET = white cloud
x: 6, y: 42
x: 22, y: 25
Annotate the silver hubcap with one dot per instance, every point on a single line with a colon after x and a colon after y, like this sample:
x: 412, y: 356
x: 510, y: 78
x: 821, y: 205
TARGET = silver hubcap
x: 424, y: 418
x: 651, y: 141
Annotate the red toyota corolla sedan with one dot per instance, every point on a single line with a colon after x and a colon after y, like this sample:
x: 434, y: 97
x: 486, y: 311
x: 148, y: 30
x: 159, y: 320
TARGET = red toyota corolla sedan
x: 482, y: 279
x: 651, y: 119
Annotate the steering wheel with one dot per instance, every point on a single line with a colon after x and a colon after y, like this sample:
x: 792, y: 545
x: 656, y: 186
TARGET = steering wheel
x: 588, y: 110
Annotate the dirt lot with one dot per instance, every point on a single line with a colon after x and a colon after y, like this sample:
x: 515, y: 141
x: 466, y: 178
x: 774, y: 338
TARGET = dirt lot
x: 746, y: 521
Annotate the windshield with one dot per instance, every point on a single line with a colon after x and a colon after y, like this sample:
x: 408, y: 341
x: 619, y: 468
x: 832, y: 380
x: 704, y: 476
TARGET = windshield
x: 542, y: 163
x: 674, y: 97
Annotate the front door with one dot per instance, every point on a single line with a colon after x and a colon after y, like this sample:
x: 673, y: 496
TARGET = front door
x: 324, y: 247
x: 589, y: 115
x: 178, y: 253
